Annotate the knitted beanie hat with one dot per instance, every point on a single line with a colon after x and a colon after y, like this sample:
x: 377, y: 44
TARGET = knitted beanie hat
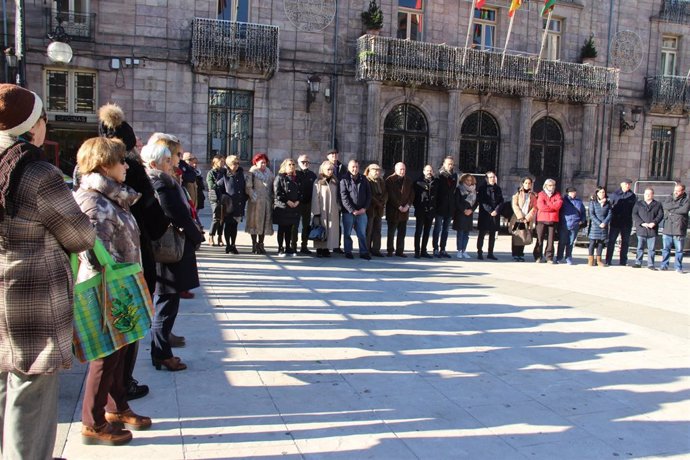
x: 113, y: 125
x: 20, y: 109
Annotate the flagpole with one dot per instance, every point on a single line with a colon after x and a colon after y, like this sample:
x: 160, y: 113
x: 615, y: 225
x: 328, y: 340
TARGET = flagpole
x: 510, y: 28
x: 543, y: 40
x: 469, y: 29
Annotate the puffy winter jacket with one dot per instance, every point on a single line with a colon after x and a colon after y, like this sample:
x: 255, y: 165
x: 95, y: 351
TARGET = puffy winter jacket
x: 548, y: 208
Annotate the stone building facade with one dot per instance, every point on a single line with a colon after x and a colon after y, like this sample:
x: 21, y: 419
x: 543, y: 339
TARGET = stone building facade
x: 414, y: 92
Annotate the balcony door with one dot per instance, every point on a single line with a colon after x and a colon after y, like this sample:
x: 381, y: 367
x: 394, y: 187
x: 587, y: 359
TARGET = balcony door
x: 405, y: 138
x: 230, y: 114
x: 234, y: 10
x: 479, y: 143
x: 546, y: 152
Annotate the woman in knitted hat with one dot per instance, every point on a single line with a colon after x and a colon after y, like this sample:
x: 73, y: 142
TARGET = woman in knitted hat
x: 40, y: 224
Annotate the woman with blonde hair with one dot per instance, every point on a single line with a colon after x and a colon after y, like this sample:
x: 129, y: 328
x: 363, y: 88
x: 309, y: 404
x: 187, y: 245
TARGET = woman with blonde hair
x: 103, y: 196
x: 524, y: 214
x: 212, y: 178
x: 232, y: 185
x: 259, y: 188
x: 287, y: 196
x: 375, y: 212
x: 463, y: 218
x: 326, y: 209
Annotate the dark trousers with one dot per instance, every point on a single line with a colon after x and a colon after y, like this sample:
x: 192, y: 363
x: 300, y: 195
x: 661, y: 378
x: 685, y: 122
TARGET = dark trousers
x: 401, y: 229
x: 130, y: 360
x: 285, y: 235
x: 517, y: 250
x: 441, y: 228
x: 422, y: 229
x: 167, y: 306
x: 230, y: 230
x: 104, y: 389
x: 305, y: 217
x: 216, y: 226
x: 374, y: 233
x: 546, y: 231
x: 624, y: 231
x: 480, y: 240
x: 598, y: 244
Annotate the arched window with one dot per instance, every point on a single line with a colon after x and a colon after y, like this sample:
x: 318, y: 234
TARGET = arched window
x: 479, y: 143
x: 405, y: 138
x: 546, y: 152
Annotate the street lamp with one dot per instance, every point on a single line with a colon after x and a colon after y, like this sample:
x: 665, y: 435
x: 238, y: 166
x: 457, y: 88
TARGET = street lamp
x: 313, y: 87
x: 59, y: 50
x: 624, y: 124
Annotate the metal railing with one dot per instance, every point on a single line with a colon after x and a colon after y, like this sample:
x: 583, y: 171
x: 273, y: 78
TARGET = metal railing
x: 234, y: 46
x: 420, y: 63
x: 79, y: 26
x: 677, y: 11
x: 668, y: 93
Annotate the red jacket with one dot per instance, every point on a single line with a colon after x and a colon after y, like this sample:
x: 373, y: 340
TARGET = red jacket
x: 548, y: 208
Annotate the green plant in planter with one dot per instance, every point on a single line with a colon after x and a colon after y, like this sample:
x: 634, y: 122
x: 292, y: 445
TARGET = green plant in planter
x: 373, y: 17
x: 589, y: 51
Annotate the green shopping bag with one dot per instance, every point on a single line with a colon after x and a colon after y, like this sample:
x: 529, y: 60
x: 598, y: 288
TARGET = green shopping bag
x: 111, y: 309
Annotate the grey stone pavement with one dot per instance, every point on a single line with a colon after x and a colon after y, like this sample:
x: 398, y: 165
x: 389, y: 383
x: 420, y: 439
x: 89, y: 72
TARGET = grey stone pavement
x: 413, y: 359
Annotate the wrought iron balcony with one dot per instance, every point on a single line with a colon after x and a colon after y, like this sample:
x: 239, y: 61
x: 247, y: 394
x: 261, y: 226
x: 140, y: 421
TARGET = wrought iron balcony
x: 420, y: 63
x: 668, y: 94
x: 239, y: 47
x: 677, y: 11
x: 79, y: 26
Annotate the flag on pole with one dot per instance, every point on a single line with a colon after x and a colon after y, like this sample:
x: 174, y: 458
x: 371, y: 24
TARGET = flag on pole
x: 514, y: 5
x: 548, y: 6
x: 479, y: 3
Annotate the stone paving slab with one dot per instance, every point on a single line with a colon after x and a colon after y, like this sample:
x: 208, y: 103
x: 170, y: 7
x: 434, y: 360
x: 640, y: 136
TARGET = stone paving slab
x: 400, y: 358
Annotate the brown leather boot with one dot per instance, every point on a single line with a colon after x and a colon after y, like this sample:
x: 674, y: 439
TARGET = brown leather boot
x: 129, y: 419
x: 590, y: 261
x: 600, y: 262
x: 105, y: 435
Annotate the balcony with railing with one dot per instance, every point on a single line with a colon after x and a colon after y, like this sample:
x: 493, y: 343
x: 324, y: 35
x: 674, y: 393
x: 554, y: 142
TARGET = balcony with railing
x: 668, y: 94
x: 408, y: 62
x: 677, y: 11
x: 236, y: 47
x: 79, y: 26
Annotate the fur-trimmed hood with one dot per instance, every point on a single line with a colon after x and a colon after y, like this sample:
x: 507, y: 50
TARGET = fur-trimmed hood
x: 111, y: 115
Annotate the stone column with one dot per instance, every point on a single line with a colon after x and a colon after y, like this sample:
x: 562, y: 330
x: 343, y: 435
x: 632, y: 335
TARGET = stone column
x: 586, y: 165
x: 453, y: 134
x: 373, y: 140
x: 524, y: 134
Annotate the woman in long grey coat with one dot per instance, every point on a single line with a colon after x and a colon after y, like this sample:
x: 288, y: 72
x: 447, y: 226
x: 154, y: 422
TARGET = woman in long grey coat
x: 40, y: 223
x: 324, y: 205
x: 259, y: 185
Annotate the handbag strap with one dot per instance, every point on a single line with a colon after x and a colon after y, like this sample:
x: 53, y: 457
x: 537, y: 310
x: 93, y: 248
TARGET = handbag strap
x: 102, y: 255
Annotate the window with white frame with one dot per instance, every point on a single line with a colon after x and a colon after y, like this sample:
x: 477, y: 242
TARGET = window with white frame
x: 552, y: 48
x: 483, y: 36
x: 669, y: 50
x: 70, y: 91
x: 410, y: 19
x: 234, y: 10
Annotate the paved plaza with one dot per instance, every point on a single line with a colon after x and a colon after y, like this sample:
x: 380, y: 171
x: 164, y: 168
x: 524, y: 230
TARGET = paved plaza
x: 395, y: 358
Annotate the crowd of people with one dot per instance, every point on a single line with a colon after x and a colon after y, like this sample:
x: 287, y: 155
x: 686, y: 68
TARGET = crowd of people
x: 129, y: 194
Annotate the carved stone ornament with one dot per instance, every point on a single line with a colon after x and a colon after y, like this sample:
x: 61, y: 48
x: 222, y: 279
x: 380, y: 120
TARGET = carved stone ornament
x: 310, y: 15
x: 626, y: 51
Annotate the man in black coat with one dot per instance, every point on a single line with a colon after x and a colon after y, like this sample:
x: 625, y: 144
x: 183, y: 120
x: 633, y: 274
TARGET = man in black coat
x: 490, y: 200
x: 622, y: 202
x: 355, y: 197
x: 425, y: 199
x: 306, y: 179
x: 647, y: 215
x: 445, y: 206
x: 676, y: 208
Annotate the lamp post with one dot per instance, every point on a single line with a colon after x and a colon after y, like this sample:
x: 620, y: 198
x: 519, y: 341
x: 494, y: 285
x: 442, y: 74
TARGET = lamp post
x: 313, y: 87
x: 59, y: 50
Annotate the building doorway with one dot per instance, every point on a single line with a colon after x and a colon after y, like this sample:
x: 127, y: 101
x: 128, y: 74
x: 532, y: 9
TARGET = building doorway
x: 479, y: 143
x: 68, y: 137
x: 230, y: 114
x: 546, y: 152
x: 405, y: 138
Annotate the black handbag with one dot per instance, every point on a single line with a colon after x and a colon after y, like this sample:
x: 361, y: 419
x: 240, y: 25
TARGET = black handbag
x: 317, y: 232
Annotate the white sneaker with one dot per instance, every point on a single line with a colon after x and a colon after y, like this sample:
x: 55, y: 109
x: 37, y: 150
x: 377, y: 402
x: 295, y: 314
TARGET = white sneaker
x: 465, y: 255
x: 458, y: 255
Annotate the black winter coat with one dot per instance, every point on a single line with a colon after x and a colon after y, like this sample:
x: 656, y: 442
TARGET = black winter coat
x: 234, y: 186
x: 490, y: 198
x: 425, y: 196
x: 646, y: 213
x: 183, y: 275
x: 676, y: 215
x: 354, y: 193
x: 622, y: 205
x: 445, y: 198
x: 306, y: 179
x: 284, y: 190
x: 149, y: 215
x: 460, y: 220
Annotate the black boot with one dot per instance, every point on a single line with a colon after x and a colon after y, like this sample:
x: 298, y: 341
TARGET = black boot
x: 254, y: 245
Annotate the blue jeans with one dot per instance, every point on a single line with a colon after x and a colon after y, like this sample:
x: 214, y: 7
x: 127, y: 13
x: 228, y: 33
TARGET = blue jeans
x: 566, y: 241
x: 678, y: 242
x: 462, y: 240
x: 441, y: 226
x: 360, y: 225
x: 649, y: 243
